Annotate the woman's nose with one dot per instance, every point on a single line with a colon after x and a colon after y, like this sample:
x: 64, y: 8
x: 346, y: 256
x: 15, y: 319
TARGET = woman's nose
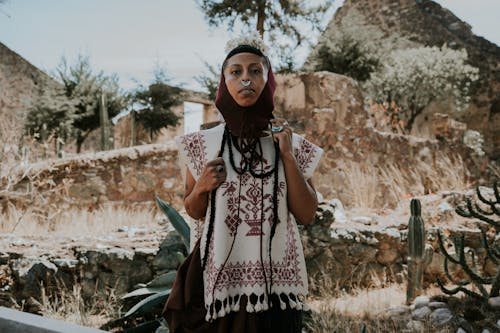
x: 245, y: 75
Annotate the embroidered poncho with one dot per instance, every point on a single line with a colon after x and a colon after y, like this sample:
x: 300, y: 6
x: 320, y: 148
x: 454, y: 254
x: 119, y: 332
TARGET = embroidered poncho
x: 243, y: 214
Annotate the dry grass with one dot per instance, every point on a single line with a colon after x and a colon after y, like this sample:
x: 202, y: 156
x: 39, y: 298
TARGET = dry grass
x: 75, y: 221
x: 68, y: 305
x: 382, y: 186
x: 347, y: 311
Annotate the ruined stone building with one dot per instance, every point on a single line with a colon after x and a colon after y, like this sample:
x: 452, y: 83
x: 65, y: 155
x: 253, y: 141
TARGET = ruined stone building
x: 21, y: 84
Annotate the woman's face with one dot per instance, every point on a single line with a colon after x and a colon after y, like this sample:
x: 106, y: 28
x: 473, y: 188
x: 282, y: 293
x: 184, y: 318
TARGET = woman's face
x: 246, y: 77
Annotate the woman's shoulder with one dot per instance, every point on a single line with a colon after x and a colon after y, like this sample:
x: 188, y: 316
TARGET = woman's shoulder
x: 300, y: 142
x: 307, y: 154
x: 204, y: 134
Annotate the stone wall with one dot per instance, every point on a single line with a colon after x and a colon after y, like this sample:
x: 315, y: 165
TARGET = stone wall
x: 124, y: 176
x: 20, y: 83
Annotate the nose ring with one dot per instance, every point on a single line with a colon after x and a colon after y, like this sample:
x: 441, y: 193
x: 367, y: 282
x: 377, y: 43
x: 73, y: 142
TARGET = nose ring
x: 245, y: 83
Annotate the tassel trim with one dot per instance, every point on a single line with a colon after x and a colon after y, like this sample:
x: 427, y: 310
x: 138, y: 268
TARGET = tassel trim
x: 232, y: 304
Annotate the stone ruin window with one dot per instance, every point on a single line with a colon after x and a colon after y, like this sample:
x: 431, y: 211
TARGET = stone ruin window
x: 193, y: 117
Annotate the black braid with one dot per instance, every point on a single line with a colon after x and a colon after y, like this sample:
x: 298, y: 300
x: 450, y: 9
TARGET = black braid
x: 244, y: 167
x: 247, y: 163
x: 275, y: 213
x: 212, y: 212
x: 262, y: 226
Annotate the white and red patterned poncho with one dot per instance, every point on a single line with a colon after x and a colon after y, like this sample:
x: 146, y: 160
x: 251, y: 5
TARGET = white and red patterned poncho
x: 242, y: 202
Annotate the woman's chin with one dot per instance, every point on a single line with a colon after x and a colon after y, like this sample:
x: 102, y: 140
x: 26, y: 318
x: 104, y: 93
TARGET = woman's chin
x: 246, y: 103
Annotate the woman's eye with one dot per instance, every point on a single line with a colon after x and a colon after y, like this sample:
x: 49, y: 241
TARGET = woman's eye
x: 257, y: 71
x: 235, y: 72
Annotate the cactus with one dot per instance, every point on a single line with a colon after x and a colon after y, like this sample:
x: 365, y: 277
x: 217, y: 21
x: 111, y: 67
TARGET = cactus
x: 419, y: 254
x: 466, y: 259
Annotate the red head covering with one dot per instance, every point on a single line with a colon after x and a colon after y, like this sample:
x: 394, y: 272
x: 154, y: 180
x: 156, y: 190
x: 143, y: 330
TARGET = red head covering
x: 246, y: 122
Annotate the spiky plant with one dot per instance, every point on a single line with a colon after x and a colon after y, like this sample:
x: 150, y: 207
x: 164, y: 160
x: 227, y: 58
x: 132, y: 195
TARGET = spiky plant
x: 419, y: 254
x: 485, y: 212
x: 157, y: 290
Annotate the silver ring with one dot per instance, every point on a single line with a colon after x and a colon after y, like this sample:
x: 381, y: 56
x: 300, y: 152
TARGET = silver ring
x: 276, y: 129
x: 285, y: 123
x: 219, y: 168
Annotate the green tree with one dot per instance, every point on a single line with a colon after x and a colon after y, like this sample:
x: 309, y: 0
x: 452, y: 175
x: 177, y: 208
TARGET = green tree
x: 86, y: 87
x: 282, y: 21
x: 210, y: 80
x: 270, y: 16
x: 52, y: 115
x: 353, y: 48
x: 347, y: 58
x: 154, y: 104
x: 415, y: 77
x: 73, y: 110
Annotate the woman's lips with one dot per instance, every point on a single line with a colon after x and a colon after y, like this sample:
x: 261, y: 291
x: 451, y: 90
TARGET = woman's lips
x: 247, y: 91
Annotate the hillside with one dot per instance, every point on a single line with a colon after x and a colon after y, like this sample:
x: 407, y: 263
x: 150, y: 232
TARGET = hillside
x: 426, y: 23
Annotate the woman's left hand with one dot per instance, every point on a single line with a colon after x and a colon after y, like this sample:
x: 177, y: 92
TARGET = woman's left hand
x: 282, y: 133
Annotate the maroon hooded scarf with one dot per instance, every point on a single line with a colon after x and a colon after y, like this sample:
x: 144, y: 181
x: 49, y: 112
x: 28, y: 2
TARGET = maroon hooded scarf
x: 250, y: 121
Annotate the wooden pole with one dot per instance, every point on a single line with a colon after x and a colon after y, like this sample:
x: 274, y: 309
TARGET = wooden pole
x: 104, y: 122
x: 133, y: 129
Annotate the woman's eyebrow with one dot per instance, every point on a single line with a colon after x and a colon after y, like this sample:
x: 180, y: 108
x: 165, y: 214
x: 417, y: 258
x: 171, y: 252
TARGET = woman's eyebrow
x: 251, y: 64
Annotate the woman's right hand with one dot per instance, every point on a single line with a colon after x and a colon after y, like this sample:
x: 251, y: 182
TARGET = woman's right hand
x: 212, y: 176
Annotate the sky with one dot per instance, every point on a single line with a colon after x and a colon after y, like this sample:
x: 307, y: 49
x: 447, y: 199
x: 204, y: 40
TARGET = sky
x: 131, y: 37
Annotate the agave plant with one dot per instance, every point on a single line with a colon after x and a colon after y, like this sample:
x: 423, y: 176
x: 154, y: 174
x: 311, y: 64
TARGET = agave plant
x: 157, y: 290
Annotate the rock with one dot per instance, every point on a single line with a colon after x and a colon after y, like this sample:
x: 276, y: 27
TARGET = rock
x: 494, y: 302
x: 485, y: 331
x: 398, y: 312
x: 437, y: 305
x: 415, y: 326
x: 441, y: 316
x: 66, y: 263
x: 387, y: 257
x: 338, y: 212
x: 363, y: 220
x: 445, y: 207
x: 421, y: 313
x: 133, y: 231
x: 4, y: 258
x: 169, y: 256
x: 30, y: 272
x: 22, y: 242
x: 461, y: 330
x: 118, y: 268
x: 465, y: 326
x: 420, y: 301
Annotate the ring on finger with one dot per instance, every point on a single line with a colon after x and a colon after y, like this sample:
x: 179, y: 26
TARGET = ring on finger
x: 276, y: 129
x: 285, y: 123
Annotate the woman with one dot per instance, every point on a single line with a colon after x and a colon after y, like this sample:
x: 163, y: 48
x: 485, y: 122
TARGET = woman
x: 246, y: 188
